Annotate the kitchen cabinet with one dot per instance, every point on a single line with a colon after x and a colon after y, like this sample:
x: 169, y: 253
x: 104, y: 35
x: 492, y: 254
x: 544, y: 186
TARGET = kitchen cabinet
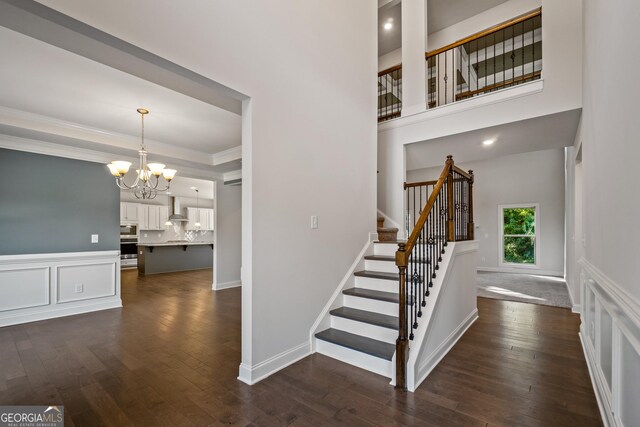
x: 202, y: 215
x: 129, y: 213
x: 152, y: 217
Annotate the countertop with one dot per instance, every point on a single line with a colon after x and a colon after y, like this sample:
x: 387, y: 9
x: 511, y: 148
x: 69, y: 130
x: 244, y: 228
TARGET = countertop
x: 174, y: 244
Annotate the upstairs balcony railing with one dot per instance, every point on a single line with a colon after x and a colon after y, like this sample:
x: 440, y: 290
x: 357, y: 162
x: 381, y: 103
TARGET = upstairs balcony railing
x: 389, y: 93
x: 502, y: 56
x: 499, y: 57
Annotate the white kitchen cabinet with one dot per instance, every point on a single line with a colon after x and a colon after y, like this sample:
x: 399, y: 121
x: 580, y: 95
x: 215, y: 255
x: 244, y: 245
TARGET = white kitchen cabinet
x: 129, y: 213
x: 163, y: 215
x: 204, y: 216
x: 152, y: 217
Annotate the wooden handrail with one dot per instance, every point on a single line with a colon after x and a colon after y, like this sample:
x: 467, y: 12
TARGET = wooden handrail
x: 419, y: 184
x: 491, y: 30
x: 403, y: 258
x: 462, y: 172
x: 463, y: 95
x: 390, y: 69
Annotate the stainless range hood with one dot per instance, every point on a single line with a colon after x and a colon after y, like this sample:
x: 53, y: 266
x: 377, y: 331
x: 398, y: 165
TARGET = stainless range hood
x: 175, y: 212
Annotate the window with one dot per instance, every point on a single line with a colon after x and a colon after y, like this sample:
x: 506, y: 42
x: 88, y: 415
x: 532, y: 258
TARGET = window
x: 519, y: 230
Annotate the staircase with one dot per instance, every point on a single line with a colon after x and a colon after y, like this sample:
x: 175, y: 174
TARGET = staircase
x: 364, y: 329
x: 384, y: 316
x: 386, y: 234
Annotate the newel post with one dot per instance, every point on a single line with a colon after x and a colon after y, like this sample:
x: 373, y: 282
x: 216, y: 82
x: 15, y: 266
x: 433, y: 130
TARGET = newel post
x: 450, y: 211
x: 402, y: 343
x: 470, y: 225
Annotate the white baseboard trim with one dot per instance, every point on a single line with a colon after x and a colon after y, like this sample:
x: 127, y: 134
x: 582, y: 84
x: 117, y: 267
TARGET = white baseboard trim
x: 522, y: 271
x: 575, y: 308
x: 226, y: 285
x: 596, y: 382
x: 8, y: 319
x: 253, y: 374
x: 438, y: 354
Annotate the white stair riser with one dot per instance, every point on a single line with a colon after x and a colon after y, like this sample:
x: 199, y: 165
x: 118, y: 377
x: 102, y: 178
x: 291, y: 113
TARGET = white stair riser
x: 362, y: 360
x: 377, y: 284
x: 365, y: 329
x: 368, y: 304
x: 384, y: 266
x: 387, y: 249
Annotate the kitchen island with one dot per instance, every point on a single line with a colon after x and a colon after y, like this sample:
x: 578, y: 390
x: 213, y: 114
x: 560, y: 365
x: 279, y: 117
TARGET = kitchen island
x: 156, y: 258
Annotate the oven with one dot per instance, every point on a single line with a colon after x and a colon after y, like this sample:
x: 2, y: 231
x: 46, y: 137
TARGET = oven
x: 128, y: 246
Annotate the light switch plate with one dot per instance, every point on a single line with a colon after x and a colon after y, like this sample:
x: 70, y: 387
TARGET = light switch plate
x: 79, y: 288
x: 94, y: 238
x: 314, y: 222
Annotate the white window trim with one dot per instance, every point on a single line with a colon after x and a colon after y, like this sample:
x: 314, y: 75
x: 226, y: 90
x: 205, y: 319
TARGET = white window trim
x: 501, y: 262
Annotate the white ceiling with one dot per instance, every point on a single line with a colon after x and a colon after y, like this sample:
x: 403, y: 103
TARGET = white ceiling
x: 53, y: 82
x: 444, y: 13
x: 540, y: 133
x: 440, y: 14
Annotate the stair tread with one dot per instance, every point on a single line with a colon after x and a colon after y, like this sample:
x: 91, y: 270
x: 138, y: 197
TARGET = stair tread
x: 370, y: 317
x: 359, y: 343
x: 376, y: 295
x: 390, y: 241
x: 389, y: 258
x: 377, y: 275
x: 381, y: 258
x: 387, y: 229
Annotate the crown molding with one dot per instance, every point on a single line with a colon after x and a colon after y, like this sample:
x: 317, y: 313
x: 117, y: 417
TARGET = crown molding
x: 51, y: 149
x: 232, y: 176
x: 227, y: 156
x: 39, y: 123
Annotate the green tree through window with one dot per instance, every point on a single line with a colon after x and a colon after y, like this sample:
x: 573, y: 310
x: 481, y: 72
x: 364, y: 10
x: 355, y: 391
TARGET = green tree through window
x: 519, y: 235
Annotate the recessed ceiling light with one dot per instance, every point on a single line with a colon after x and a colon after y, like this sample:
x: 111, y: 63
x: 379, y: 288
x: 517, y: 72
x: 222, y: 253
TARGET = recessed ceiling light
x: 488, y: 141
x: 168, y: 192
x: 388, y: 26
x: 194, y: 188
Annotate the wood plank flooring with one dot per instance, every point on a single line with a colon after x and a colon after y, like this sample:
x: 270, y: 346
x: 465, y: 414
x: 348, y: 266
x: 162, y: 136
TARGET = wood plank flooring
x: 170, y: 357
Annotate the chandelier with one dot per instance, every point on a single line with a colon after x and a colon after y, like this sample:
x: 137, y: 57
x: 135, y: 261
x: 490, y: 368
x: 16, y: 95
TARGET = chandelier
x: 147, y: 182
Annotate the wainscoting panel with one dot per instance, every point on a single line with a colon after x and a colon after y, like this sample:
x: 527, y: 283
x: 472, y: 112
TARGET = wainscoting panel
x: 24, y: 288
x: 43, y: 286
x: 610, y: 335
x: 94, y: 280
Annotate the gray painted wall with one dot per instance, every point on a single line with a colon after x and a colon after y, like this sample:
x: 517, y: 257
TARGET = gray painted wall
x: 53, y: 204
x: 228, y: 233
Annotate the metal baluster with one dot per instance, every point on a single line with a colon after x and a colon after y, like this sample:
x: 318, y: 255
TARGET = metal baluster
x: 522, y: 50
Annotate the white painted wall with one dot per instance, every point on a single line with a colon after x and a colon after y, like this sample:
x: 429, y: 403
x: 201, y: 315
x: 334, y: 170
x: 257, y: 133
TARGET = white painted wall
x: 611, y: 208
x: 390, y: 59
x: 228, y: 236
x: 536, y: 177
x: 308, y: 140
x: 451, y: 309
x: 560, y: 90
x: 611, y: 212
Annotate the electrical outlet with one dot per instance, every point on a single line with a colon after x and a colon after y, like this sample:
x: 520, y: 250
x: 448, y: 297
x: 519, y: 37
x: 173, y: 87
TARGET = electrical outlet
x: 314, y: 222
x: 486, y: 235
x: 145, y: 234
x: 94, y: 238
x: 79, y: 288
x: 159, y: 235
x: 484, y: 259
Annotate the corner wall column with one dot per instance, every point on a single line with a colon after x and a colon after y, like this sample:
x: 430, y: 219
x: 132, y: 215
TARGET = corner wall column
x: 414, y: 36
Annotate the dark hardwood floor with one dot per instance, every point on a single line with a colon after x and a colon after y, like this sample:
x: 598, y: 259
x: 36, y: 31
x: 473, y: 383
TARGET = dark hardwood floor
x: 170, y: 358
